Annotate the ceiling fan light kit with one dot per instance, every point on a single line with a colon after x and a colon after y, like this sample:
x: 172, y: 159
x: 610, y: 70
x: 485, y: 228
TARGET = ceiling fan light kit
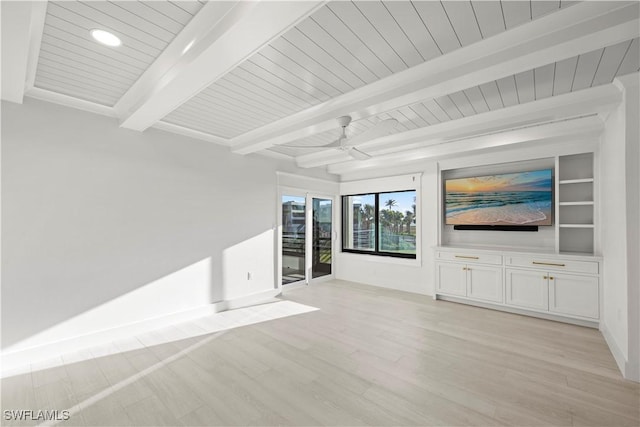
x: 344, y: 121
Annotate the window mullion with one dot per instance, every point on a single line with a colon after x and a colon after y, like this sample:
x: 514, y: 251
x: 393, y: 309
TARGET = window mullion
x: 376, y: 221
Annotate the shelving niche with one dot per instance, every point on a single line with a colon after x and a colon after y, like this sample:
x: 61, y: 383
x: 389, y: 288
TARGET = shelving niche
x: 576, y: 203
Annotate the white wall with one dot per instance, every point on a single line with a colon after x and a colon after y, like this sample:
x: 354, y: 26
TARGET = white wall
x: 395, y: 273
x: 104, y: 226
x: 631, y: 84
x: 614, y: 232
x: 621, y: 235
x: 620, y: 212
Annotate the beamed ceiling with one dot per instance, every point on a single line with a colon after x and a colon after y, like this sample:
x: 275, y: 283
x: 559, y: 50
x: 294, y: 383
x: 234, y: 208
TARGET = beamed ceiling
x: 272, y: 77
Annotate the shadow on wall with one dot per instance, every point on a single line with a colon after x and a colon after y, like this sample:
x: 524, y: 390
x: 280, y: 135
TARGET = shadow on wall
x: 173, y: 293
x: 73, y: 296
x: 169, y: 293
x: 94, y: 214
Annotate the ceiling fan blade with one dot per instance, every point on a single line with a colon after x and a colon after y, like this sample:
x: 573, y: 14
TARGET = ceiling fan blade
x: 382, y: 128
x: 358, y: 155
x: 333, y: 144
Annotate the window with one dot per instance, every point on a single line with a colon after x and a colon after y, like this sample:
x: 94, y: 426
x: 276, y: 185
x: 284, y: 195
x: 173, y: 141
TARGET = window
x: 380, y: 224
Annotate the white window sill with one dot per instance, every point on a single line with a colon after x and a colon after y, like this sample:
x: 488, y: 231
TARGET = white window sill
x: 382, y: 259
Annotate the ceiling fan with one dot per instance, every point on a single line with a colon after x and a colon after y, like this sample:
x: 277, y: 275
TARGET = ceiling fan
x: 348, y: 144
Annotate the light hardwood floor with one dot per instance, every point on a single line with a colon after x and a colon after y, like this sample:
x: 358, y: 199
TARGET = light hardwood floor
x: 368, y: 356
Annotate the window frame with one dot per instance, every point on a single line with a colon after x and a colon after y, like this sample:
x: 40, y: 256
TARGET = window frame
x: 376, y: 251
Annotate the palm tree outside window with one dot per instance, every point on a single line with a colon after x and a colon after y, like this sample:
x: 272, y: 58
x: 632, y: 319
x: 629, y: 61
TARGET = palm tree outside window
x: 380, y: 223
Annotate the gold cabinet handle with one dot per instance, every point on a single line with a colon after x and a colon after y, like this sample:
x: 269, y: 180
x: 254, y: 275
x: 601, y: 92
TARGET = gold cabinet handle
x: 464, y: 268
x: 548, y: 263
x: 545, y: 277
x: 466, y: 257
x: 551, y: 277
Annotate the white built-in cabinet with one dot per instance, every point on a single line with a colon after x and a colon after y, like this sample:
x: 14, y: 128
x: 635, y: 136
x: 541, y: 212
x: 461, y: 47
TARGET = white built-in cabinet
x: 562, y: 286
x: 560, y: 293
x: 469, y: 277
x: 484, y: 283
x: 451, y: 278
x: 558, y: 276
x: 527, y: 289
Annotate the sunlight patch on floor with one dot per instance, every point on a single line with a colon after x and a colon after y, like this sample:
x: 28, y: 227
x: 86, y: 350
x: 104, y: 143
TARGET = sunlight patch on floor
x: 214, y: 326
x: 201, y: 326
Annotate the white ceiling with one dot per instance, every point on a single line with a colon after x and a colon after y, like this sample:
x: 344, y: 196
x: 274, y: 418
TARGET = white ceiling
x: 73, y: 64
x: 264, y: 77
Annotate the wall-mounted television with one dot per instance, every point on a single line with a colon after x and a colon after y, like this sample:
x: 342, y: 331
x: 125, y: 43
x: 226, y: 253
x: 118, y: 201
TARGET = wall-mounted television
x: 510, y: 199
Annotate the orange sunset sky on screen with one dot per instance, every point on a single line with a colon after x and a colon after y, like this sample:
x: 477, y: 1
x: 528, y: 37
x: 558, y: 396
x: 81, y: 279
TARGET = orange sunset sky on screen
x: 474, y: 185
x: 526, y: 181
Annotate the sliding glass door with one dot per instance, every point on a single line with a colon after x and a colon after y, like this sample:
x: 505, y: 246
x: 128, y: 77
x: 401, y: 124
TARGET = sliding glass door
x: 307, y: 238
x: 294, y: 246
x: 321, y: 248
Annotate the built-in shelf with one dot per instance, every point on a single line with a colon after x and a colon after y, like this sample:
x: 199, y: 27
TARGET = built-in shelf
x: 585, y: 203
x: 574, y: 211
x: 575, y: 181
x: 576, y: 204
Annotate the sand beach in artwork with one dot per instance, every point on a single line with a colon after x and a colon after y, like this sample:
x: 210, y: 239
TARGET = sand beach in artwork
x: 508, y: 199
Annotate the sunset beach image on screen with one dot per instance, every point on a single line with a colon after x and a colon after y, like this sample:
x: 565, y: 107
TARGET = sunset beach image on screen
x: 523, y: 198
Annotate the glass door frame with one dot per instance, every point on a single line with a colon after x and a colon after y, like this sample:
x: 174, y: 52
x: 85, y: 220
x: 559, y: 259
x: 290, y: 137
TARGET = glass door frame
x: 308, y: 196
x: 309, y: 238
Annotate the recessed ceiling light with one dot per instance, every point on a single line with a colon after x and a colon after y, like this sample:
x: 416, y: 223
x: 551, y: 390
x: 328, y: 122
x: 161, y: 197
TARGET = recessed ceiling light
x: 106, y: 38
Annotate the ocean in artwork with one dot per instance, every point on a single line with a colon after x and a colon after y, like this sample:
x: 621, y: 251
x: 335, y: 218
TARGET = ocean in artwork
x: 499, y: 208
x: 508, y: 199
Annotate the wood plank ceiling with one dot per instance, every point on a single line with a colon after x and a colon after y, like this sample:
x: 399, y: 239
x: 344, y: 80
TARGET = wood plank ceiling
x: 594, y: 68
x: 342, y: 46
x: 72, y: 63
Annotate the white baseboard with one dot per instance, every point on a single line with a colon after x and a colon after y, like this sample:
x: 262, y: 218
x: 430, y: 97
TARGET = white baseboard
x: 20, y: 360
x: 253, y: 299
x: 618, y: 355
x: 514, y: 310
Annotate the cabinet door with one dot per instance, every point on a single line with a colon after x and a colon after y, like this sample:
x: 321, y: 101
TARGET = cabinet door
x: 528, y: 289
x: 452, y: 279
x: 484, y: 283
x: 575, y: 295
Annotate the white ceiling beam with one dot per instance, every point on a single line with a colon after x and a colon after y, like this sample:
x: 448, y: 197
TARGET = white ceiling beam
x: 22, y: 26
x: 579, y: 29
x: 38, y: 16
x: 591, y: 125
x: 588, y: 101
x: 191, y: 133
x: 70, y: 101
x: 218, y: 38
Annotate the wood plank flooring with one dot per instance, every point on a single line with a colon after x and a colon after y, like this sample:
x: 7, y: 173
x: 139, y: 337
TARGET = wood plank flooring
x: 368, y: 356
